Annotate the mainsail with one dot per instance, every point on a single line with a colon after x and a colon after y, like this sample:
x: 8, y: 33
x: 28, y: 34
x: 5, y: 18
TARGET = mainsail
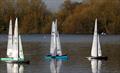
x: 15, y: 40
x: 95, y: 42
x: 10, y: 41
x: 53, y: 40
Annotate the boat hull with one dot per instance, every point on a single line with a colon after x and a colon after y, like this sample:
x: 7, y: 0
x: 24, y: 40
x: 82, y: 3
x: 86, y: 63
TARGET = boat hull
x: 98, y: 58
x: 22, y: 62
x: 13, y: 60
x: 62, y: 57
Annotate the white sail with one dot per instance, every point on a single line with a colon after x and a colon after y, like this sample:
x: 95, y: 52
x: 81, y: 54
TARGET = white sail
x: 10, y: 41
x: 21, y: 55
x: 96, y: 65
x: 59, y: 51
x: 58, y: 44
x: 94, y: 44
x: 15, y: 40
x: 56, y: 26
x: 53, y: 40
x: 99, y: 48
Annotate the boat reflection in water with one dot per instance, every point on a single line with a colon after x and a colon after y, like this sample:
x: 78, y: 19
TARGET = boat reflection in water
x: 15, y: 68
x: 96, y: 65
x: 55, y: 65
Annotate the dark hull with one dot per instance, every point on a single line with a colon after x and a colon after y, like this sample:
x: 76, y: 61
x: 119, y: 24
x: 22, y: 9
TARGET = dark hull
x: 21, y: 62
x: 100, y: 58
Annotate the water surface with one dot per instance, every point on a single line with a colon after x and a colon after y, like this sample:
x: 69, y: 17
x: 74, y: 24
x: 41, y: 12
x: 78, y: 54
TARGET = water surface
x: 77, y: 47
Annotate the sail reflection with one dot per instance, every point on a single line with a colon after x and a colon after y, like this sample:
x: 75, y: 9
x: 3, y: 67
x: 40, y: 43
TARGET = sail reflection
x: 55, y: 66
x: 15, y: 68
x: 96, y: 65
x: 9, y: 68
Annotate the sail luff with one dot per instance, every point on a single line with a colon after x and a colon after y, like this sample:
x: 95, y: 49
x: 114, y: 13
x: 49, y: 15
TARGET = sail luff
x: 10, y: 41
x: 94, y: 44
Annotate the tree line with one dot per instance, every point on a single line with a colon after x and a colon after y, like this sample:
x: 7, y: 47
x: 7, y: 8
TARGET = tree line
x: 73, y: 17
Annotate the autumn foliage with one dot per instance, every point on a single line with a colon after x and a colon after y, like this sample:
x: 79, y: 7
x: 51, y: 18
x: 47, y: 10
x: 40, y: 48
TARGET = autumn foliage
x: 73, y: 17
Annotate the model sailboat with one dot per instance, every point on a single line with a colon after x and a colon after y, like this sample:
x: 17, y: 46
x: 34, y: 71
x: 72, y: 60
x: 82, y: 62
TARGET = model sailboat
x: 96, y: 52
x: 55, y: 47
x: 14, y: 47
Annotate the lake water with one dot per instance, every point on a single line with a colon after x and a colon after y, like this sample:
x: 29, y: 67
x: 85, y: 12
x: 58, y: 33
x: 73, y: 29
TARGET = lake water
x: 77, y: 47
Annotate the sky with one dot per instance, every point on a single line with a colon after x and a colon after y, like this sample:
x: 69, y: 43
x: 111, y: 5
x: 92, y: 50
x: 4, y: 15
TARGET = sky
x: 54, y: 5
